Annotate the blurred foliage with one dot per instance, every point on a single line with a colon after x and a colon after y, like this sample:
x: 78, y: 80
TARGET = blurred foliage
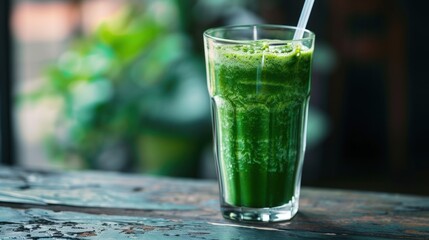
x: 132, y: 93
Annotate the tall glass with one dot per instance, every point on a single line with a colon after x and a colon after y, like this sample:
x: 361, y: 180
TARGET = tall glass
x: 259, y: 82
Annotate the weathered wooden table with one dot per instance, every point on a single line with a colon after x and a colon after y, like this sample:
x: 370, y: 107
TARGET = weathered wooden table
x: 100, y: 205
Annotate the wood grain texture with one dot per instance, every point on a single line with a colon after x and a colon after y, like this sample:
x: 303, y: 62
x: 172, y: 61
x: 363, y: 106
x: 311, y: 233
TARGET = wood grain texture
x: 92, y: 205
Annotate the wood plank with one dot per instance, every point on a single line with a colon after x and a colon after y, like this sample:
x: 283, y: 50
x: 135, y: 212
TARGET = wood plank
x: 322, y: 212
x: 38, y: 223
x: 103, y: 189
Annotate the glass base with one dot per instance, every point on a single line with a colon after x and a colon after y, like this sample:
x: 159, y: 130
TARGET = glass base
x: 276, y: 214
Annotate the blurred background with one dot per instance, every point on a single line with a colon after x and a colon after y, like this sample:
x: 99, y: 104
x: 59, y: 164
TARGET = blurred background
x: 120, y: 85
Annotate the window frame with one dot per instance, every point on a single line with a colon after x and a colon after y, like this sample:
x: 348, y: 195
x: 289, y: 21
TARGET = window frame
x: 6, y: 90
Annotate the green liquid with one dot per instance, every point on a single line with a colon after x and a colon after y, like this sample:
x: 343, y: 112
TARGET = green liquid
x: 260, y: 96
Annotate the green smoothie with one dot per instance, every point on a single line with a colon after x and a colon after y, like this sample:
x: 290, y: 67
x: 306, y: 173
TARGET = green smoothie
x: 260, y: 93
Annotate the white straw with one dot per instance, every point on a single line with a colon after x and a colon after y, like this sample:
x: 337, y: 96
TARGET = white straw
x: 303, y: 19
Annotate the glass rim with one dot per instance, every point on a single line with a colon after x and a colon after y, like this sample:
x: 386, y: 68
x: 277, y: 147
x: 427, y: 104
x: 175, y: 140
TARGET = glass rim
x: 209, y: 32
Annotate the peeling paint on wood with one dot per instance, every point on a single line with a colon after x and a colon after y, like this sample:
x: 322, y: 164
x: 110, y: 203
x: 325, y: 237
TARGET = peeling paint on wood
x: 39, y: 224
x: 93, y: 205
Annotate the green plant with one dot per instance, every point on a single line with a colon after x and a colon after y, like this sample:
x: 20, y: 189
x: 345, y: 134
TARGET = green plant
x: 132, y: 94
